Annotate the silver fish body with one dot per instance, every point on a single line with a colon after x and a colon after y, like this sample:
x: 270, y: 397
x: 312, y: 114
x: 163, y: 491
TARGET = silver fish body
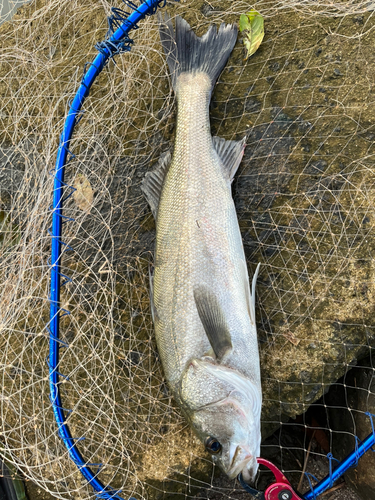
x: 203, y: 308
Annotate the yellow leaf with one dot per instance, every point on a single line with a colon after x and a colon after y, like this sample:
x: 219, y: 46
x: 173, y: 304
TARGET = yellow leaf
x: 83, y: 194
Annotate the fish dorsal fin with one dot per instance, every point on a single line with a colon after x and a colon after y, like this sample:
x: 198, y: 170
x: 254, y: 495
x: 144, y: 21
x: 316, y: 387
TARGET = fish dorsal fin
x: 230, y: 153
x: 213, y: 320
x: 152, y: 184
x: 250, y: 294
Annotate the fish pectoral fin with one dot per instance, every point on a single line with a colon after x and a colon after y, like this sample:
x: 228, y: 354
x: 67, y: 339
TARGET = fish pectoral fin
x: 250, y: 294
x: 213, y: 321
x: 230, y: 153
x: 152, y: 184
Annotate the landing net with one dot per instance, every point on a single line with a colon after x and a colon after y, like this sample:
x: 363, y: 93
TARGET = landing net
x: 305, y: 200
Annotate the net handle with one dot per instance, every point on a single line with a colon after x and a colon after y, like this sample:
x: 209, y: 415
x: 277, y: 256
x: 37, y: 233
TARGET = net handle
x: 343, y: 466
x: 119, y: 41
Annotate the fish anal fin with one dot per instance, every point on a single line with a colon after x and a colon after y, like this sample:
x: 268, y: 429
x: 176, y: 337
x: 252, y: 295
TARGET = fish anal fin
x: 152, y: 184
x: 230, y: 153
x: 213, y: 321
x: 250, y: 293
x: 154, y: 313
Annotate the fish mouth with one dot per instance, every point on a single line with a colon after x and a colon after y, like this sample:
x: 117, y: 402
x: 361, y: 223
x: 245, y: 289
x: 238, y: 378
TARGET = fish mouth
x: 242, y: 466
x: 242, y: 461
x: 234, y: 471
x: 249, y: 473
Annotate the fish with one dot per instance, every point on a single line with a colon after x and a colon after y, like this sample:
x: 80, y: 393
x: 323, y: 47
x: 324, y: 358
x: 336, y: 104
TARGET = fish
x: 202, y: 305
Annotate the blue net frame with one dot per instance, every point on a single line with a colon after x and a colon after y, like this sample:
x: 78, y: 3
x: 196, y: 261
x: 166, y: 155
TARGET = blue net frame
x: 116, y: 41
x: 350, y: 461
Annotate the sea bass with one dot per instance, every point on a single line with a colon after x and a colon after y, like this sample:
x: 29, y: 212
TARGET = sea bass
x: 201, y: 302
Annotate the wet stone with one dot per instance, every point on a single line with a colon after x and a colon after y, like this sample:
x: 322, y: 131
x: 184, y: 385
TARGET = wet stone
x: 358, y: 20
x: 135, y: 357
x: 274, y: 66
x: 207, y: 10
x: 252, y: 105
x: 316, y: 167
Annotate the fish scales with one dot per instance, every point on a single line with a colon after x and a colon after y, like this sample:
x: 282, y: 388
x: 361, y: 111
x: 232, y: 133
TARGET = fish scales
x: 202, y: 304
x: 198, y: 240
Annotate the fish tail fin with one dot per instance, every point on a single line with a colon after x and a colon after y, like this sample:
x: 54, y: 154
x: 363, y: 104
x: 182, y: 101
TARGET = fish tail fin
x: 188, y: 53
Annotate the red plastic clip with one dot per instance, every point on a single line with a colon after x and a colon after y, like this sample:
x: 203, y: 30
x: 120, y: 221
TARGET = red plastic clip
x: 281, y: 489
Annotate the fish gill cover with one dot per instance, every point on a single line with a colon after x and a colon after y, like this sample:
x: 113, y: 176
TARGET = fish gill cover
x: 304, y: 195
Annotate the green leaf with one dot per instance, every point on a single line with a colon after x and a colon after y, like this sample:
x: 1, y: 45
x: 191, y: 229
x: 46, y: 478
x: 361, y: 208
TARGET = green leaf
x: 252, y: 27
x: 244, y: 22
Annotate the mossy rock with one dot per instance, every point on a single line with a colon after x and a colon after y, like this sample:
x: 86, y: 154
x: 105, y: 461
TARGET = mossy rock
x: 304, y: 196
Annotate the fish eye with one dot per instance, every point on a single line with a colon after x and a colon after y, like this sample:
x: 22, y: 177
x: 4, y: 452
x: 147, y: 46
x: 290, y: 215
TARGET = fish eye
x: 212, y: 445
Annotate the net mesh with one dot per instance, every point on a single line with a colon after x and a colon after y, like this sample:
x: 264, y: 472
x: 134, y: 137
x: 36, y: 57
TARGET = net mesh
x: 305, y: 201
